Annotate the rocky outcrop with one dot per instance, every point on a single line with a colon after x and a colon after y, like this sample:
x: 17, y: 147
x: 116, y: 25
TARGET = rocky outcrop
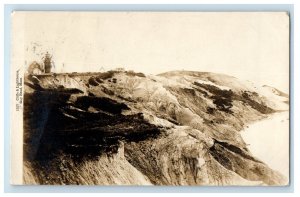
x: 177, y: 128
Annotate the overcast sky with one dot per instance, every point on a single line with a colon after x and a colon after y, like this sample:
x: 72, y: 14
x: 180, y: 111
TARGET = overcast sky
x: 250, y: 46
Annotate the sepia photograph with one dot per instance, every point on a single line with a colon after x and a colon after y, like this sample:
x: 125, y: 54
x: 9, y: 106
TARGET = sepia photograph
x: 150, y: 98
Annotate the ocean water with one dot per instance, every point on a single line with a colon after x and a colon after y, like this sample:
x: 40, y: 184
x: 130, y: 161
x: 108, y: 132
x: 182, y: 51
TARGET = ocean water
x: 268, y: 140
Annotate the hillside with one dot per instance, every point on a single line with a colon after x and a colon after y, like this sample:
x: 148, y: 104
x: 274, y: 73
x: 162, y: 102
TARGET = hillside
x: 176, y: 128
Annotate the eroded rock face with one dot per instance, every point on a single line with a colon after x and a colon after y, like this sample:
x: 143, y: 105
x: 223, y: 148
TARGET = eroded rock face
x: 178, y: 128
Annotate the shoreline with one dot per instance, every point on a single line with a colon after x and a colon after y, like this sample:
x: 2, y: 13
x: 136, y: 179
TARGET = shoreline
x: 267, y: 147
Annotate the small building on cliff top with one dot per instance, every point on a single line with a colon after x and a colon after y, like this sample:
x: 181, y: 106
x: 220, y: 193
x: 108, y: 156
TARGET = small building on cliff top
x: 35, y: 68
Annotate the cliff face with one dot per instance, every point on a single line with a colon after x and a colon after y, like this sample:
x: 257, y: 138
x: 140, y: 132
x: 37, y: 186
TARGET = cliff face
x: 177, y: 128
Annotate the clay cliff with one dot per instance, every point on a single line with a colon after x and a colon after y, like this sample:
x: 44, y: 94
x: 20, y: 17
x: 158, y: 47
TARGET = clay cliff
x: 127, y: 128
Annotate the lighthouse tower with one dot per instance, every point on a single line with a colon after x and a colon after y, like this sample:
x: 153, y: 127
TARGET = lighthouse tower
x: 47, y: 63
